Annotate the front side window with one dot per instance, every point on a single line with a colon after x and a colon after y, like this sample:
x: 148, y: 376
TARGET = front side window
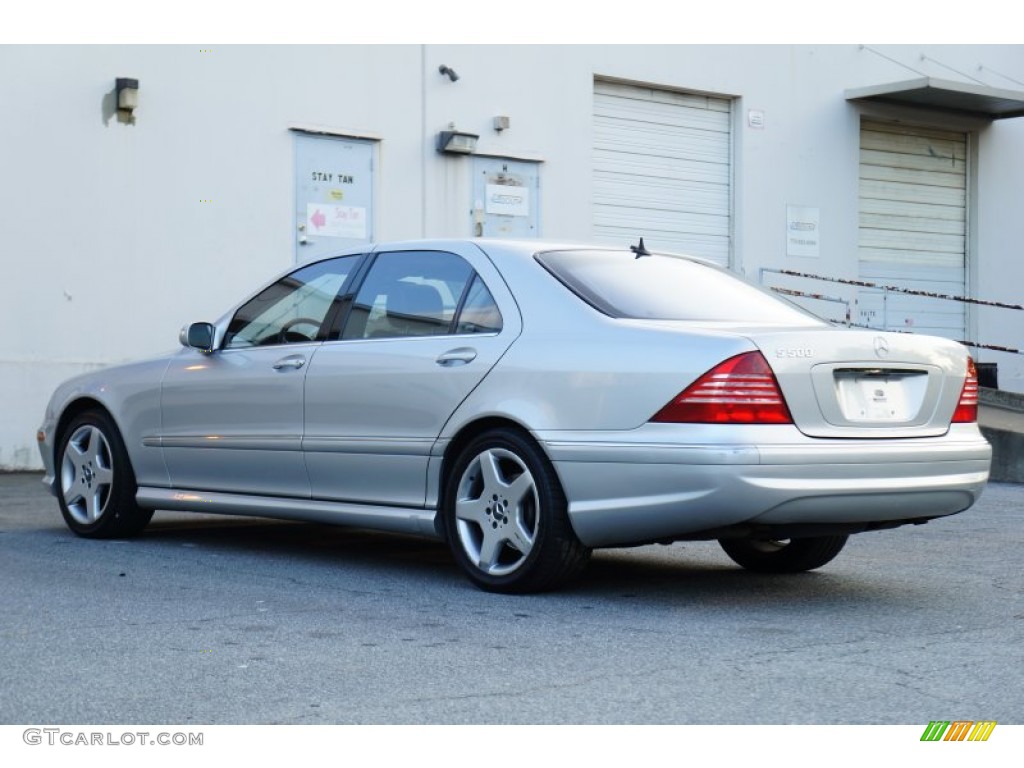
x: 292, y: 309
x: 409, y: 293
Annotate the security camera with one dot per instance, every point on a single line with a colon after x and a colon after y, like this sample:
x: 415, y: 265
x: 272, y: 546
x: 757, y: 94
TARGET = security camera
x: 444, y: 69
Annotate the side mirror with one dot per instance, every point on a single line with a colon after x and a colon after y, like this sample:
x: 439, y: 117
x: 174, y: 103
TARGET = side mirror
x: 198, y: 336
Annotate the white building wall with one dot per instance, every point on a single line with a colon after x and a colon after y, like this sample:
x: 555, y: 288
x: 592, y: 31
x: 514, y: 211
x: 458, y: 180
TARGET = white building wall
x: 999, y: 246
x: 107, y: 247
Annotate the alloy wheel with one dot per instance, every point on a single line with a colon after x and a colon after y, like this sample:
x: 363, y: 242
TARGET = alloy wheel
x: 87, y: 474
x: 496, y: 511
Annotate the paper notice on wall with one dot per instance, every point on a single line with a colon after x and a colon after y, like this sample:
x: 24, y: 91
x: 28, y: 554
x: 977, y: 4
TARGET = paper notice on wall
x: 508, y: 200
x: 325, y: 220
x: 802, y: 230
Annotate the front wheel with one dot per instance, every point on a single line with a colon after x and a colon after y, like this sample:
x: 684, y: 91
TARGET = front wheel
x: 506, y: 519
x: 96, y: 483
x: 783, y: 555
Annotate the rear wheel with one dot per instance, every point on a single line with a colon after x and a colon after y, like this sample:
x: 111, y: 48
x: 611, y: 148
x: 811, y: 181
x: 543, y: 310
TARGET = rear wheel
x: 96, y: 482
x: 783, y: 555
x: 506, y: 517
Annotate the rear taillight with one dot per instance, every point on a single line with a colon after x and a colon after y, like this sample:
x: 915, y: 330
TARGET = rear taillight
x: 742, y: 390
x: 967, y: 409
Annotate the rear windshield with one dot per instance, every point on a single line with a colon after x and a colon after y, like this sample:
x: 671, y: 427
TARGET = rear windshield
x: 657, y: 287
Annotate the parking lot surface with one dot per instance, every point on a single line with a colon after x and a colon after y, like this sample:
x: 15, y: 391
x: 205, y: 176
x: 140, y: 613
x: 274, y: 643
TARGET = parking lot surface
x: 208, y: 619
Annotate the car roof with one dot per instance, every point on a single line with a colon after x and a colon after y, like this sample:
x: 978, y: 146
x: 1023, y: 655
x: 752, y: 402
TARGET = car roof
x: 529, y: 247
x: 523, y: 248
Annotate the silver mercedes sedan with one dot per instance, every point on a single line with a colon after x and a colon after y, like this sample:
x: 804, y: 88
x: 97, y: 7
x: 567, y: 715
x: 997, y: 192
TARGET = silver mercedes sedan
x: 527, y: 403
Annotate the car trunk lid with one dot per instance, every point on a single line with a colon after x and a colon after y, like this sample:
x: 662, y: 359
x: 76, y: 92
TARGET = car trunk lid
x: 859, y: 383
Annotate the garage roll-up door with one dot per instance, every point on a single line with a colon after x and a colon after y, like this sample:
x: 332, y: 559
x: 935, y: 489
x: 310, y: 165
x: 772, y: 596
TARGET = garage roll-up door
x: 662, y: 169
x: 913, y: 226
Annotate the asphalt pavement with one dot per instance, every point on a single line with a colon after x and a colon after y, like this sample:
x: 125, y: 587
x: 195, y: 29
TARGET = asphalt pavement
x: 207, y: 619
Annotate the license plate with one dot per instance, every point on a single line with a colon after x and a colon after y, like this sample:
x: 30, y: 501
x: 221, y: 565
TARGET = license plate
x: 875, y: 398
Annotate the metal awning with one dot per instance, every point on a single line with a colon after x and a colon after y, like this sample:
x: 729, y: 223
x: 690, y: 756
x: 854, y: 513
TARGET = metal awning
x: 945, y: 95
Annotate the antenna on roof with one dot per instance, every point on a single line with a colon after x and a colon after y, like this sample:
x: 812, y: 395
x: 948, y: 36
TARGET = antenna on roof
x: 640, y: 250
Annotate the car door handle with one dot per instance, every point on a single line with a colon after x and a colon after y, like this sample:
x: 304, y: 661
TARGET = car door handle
x: 459, y: 356
x: 292, y: 361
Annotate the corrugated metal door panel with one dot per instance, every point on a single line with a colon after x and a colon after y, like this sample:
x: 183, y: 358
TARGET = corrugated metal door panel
x: 911, y: 216
x: 894, y: 137
x: 661, y: 194
x: 662, y: 169
x: 903, y: 174
x: 669, y: 221
x: 648, y: 148
x: 913, y: 226
x: 912, y: 261
x: 936, y: 163
x: 896, y: 245
x: 641, y: 168
x: 650, y: 96
x: 612, y: 110
x: 915, y: 194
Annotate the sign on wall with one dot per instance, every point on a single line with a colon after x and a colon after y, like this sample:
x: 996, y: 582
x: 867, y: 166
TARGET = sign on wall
x: 802, y: 230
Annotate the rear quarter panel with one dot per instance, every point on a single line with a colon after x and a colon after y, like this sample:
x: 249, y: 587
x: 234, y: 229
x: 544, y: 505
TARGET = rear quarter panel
x: 605, y: 375
x: 574, y: 368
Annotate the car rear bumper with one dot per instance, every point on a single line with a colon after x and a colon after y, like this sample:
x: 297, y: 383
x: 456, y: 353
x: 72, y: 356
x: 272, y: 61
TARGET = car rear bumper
x: 663, y: 482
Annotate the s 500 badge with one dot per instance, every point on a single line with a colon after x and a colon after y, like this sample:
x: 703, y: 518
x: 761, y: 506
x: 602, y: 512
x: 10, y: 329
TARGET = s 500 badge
x: 794, y: 352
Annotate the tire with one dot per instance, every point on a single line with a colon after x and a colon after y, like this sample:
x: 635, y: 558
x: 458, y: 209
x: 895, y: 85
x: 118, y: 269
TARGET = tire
x: 783, y: 555
x: 95, y: 482
x: 505, y: 516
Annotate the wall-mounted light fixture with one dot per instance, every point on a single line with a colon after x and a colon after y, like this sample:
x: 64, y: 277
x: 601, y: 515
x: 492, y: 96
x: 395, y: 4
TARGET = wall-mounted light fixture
x: 444, y: 69
x: 501, y: 123
x: 127, y: 89
x: 456, y: 142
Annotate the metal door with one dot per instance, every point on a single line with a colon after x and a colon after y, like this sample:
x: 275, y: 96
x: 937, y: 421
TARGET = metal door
x: 913, y: 227
x: 232, y: 421
x: 663, y: 169
x: 506, y: 198
x: 375, y: 406
x: 334, y: 190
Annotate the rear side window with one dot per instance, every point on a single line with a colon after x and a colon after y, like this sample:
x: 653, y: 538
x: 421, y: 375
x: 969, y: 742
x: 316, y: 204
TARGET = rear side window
x: 421, y: 293
x: 657, y: 287
x: 479, y: 312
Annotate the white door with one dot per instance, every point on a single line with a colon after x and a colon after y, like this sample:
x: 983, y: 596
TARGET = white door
x: 334, y: 190
x: 913, y: 227
x: 663, y: 170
